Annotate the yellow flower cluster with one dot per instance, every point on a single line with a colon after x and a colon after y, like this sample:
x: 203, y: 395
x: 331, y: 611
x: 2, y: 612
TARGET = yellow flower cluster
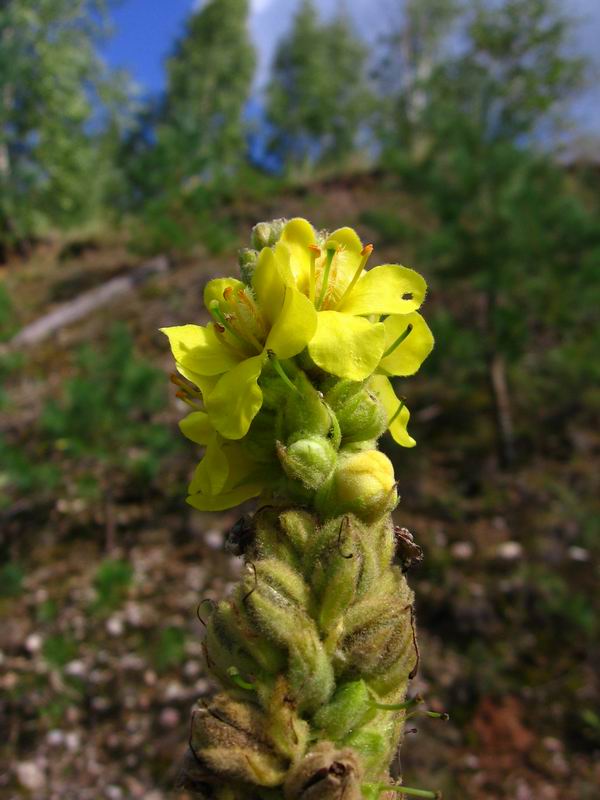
x: 311, y: 298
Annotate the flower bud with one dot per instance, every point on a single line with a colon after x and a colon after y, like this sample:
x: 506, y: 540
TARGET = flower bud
x: 349, y: 707
x: 359, y: 413
x: 228, y: 736
x: 266, y: 234
x: 363, y: 484
x: 247, y: 259
x: 325, y: 774
x: 309, y: 460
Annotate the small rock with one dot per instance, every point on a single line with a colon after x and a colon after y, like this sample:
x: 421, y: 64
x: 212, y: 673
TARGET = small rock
x: 114, y: 626
x: 55, y: 737
x: 76, y: 668
x: 34, y: 643
x: 462, y: 550
x: 30, y: 776
x: 73, y: 741
x: 169, y: 718
x: 509, y: 551
x: 214, y: 539
x: 191, y: 669
x: 578, y: 553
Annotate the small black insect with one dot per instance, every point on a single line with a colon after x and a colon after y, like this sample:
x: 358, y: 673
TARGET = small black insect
x: 408, y: 552
x: 240, y: 536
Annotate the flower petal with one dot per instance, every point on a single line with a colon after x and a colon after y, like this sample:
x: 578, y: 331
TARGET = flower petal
x: 198, y: 349
x: 389, y: 289
x: 206, y: 383
x: 220, y: 502
x: 236, y: 399
x: 214, y: 289
x: 269, y: 284
x: 408, y: 356
x: 350, y: 347
x: 212, y: 472
x: 295, y: 325
x: 197, y: 428
x: 346, y: 238
x: 385, y: 391
x: 296, y: 237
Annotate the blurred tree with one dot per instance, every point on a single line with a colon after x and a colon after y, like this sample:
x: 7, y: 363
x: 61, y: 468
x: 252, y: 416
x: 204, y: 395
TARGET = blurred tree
x: 53, y: 93
x: 504, y: 216
x: 318, y: 100
x: 186, y: 152
x: 201, y: 129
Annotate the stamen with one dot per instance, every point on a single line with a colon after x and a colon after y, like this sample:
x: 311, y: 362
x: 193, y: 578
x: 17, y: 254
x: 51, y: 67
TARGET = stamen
x: 407, y: 790
x: 443, y: 715
x: 235, y: 676
x: 315, y: 252
x: 414, y: 701
x: 281, y: 372
x: 398, y: 341
x: 246, y: 337
x: 195, y: 404
x: 330, y: 256
x: 398, y: 410
x: 366, y: 253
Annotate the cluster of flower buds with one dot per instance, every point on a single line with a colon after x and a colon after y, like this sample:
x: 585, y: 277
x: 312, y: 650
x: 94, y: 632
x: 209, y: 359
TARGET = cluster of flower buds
x: 289, y: 385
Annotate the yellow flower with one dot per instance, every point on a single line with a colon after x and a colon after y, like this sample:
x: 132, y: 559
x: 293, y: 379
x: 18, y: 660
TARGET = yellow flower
x: 269, y: 320
x: 349, y: 340
x: 226, y: 476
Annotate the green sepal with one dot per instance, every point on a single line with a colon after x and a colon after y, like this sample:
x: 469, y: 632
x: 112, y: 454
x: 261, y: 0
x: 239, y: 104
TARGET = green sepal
x: 350, y: 707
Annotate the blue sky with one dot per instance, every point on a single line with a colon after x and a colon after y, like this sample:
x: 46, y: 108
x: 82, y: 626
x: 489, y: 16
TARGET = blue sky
x: 145, y: 31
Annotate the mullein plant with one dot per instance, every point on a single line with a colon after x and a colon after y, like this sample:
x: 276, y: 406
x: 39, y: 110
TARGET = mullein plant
x: 289, y: 386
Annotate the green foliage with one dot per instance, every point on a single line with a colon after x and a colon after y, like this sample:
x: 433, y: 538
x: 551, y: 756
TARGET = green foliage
x: 106, y: 410
x: 59, y: 649
x: 11, y: 579
x: 169, y: 649
x: 111, y: 582
x: 510, y: 229
x: 318, y: 100
x: 7, y: 318
x: 52, y: 84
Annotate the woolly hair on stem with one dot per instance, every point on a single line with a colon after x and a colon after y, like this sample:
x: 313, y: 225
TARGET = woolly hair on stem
x: 290, y: 390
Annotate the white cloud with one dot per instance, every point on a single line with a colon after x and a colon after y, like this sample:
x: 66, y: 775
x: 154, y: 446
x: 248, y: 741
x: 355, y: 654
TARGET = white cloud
x: 256, y: 6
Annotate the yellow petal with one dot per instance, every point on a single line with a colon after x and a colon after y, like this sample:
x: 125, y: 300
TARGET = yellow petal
x: 296, y: 237
x: 236, y: 399
x: 269, y: 284
x: 295, y: 325
x: 350, y: 347
x: 206, y: 383
x: 346, y: 238
x: 408, y: 356
x: 220, y: 502
x: 389, y: 289
x: 214, y: 289
x: 196, y: 427
x: 384, y: 390
x: 212, y: 472
x: 198, y: 349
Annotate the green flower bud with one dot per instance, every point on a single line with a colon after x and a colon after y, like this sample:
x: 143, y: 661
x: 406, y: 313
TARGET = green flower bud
x: 229, y: 737
x: 349, y: 707
x: 247, y: 259
x: 359, y: 413
x: 266, y: 234
x: 305, y: 413
x: 309, y: 460
x: 363, y: 484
